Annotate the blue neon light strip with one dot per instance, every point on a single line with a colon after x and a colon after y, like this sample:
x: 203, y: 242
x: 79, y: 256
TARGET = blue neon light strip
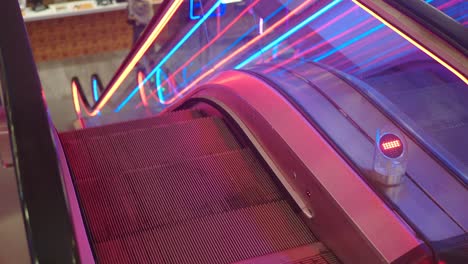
x: 378, y: 55
x: 238, y: 40
x: 95, y: 92
x: 192, y: 10
x: 288, y: 34
x: 169, y: 55
x: 460, y: 19
x: 220, y: 55
x: 193, y: 5
x: 349, y: 42
x: 158, y: 85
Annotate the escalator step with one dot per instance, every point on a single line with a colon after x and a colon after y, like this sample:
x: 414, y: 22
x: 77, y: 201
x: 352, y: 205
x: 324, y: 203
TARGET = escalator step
x: 222, y: 238
x: 160, y: 145
x: 201, y: 187
x: 90, y: 156
x: 120, y: 204
x: 315, y: 253
x: 167, y: 119
x: 183, y: 191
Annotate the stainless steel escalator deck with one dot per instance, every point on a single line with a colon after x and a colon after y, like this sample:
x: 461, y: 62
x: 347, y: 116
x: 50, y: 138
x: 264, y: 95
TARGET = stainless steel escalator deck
x: 178, y: 189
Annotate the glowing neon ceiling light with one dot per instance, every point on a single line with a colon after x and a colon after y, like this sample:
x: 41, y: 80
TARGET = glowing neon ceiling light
x: 145, y: 46
x: 170, y: 53
x: 414, y: 42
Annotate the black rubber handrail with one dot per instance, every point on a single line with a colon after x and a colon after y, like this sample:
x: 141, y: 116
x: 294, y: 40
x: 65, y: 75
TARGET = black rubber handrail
x: 46, y: 217
x: 96, y: 77
x: 452, y: 250
x: 81, y: 93
x: 135, y: 49
x: 436, y: 21
x: 398, y: 122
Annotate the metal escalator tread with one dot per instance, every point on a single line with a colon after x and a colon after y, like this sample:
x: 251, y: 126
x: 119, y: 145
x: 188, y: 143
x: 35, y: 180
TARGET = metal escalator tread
x: 324, y: 258
x: 167, y: 119
x: 315, y: 253
x: 90, y: 156
x: 143, y: 199
x: 185, y: 192
x: 216, y: 239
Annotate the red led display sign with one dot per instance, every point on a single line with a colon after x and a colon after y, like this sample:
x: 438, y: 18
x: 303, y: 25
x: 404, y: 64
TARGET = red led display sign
x: 391, y: 146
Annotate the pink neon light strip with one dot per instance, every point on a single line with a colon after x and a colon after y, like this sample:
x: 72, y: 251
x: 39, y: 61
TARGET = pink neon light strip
x: 324, y: 43
x: 146, y: 45
x: 76, y: 99
x: 241, y: 49
x: 315, y: 32
x: 382, y: 58
x: 449, y: 4
x: 361, y: 49
x: 391, y: 144
x: 414, y: 42
x: 213, y: 40
x: 140, y: 78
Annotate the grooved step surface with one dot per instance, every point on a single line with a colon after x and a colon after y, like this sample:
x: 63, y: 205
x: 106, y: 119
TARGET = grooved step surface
x: 315, y: 253
x: 155, y: 197
x: 91, y: 155
x: 201, y: 187
x: 167, y: 119
x: 221, y: 238
x: 177, y: 192
x: 149, y: 147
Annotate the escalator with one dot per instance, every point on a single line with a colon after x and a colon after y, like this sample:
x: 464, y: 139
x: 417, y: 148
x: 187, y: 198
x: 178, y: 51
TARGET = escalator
x: 251, y: 136
x: 182, y: 188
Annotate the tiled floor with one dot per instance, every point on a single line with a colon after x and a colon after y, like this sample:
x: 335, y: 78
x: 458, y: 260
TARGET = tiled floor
x: 55, y: 78
x: 13, y: 244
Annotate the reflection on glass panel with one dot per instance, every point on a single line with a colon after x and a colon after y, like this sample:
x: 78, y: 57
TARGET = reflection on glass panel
x: 456, y: 9
x: 210, y: 36
x: 426, y: 97
x: 207, y: 37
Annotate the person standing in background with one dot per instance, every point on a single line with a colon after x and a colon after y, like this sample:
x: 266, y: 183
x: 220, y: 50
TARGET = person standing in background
x: 140, y: 13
